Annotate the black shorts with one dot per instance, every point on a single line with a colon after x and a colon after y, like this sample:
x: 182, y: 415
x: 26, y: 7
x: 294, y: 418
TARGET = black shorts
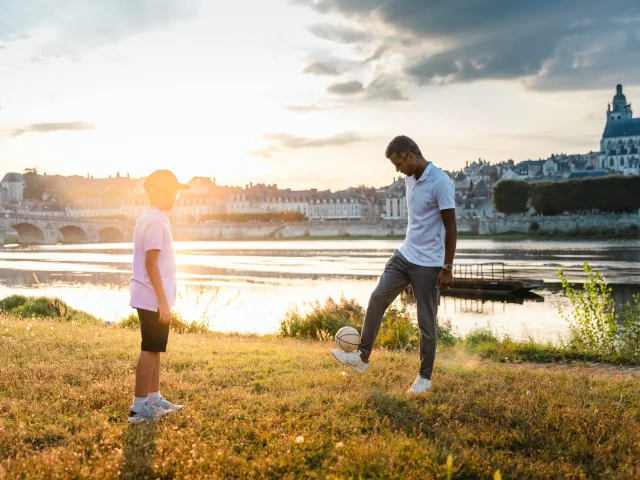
x: 155, y: 335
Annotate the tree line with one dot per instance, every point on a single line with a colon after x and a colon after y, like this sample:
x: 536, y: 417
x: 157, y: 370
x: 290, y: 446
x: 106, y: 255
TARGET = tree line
x: 614, y: 193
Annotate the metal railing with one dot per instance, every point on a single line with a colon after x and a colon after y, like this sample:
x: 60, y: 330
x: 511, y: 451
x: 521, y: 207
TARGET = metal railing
x: 479, y: 270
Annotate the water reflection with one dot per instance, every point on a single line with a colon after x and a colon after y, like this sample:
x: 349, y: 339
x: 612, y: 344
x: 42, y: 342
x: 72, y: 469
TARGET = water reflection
x: 265, y: 278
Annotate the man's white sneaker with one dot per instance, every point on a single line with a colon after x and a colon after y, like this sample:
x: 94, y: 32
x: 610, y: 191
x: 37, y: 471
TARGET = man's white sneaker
x: 167, y: 405
x: 146, y: 412
x: 351, y: 359
x: 420, y: 385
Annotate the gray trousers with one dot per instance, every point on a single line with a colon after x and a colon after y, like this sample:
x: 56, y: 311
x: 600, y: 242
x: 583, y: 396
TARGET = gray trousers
x: 398, y: 274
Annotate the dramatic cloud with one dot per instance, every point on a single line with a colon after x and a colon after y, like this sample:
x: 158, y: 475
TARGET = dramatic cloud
x: 552, y: 44
x: 384, y: 87
x: 339, y: 33
x: 322, y: 69
x: 346, y: 88
x: 285, y: 141
x: 53, y: 127
x: 84, y: 24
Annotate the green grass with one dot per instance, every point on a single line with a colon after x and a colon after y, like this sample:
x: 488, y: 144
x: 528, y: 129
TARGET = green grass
x: 268, y: 407
x: 486, y: 344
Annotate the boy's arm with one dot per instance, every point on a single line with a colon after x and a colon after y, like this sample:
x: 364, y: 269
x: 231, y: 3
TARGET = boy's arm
x: 151, y: 264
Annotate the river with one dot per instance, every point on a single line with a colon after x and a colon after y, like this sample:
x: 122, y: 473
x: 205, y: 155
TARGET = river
x: 248, y: 286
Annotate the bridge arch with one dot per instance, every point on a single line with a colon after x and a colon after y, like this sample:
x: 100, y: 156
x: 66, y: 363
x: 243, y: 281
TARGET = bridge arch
x: 111, y: 234
x: 73, y: 234
x: 29, y: 233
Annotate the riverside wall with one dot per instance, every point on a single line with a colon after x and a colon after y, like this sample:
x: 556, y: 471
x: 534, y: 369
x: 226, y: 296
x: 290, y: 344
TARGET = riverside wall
x: 482, y: 226
x: 232, y: 231
x: 559, y: 223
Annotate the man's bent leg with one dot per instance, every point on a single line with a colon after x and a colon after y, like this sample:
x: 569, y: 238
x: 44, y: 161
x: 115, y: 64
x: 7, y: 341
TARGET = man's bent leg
x: 424, y: 281
x: 395, y: 278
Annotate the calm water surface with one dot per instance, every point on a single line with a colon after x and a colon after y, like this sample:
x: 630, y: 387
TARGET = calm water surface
x: 248, y: 286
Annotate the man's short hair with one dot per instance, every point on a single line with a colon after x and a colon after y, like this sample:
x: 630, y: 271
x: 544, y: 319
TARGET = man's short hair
x: 402, y: 146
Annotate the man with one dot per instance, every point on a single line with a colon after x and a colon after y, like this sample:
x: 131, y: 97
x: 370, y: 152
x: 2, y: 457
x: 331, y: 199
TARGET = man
x: 424, y: 261
x: 153, y: 292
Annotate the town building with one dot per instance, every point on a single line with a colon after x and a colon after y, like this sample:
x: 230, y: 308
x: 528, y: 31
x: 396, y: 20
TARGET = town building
x: 12, y: 188
x: 393, y: 201
x: 621, y: 138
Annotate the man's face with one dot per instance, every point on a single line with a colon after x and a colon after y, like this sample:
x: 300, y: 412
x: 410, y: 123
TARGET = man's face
x: 403, y: 163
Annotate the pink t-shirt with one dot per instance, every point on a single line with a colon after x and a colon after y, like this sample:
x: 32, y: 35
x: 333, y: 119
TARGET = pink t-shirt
x: 153, y: 232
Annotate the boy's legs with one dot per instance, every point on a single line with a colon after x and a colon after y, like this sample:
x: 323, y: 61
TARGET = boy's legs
x: 148, y: 362
x: 154, y: 385
x: 395, y: 278
x: 424, y: 281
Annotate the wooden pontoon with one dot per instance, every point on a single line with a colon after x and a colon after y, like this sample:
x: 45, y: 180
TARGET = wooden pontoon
x: 490, y: 278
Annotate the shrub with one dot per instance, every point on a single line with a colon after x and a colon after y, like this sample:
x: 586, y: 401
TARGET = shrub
x: 398, y: 330
x: 43, y: 307
x: 594, y: 325
x: 178, y: 324
x: 325, y: 318
x: 630, y: 338
x: 534, y: 227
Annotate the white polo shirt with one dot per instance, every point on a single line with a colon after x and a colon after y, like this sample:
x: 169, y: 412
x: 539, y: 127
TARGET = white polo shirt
x: 153, y: 232
x: 432, y: 192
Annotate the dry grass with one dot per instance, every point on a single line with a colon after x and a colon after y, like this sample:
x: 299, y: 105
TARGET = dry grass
x: 263, y: 407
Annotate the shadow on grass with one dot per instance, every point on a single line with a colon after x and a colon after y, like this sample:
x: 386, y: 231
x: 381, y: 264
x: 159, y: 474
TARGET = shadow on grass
x: 139, y: 451
x: 399, y: 412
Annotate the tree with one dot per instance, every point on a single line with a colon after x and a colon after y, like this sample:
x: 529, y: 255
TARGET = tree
x: 34, y: 184
x: 511, y: 196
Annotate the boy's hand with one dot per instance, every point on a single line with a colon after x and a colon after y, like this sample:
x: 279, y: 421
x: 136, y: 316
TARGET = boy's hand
x: 165, y: 313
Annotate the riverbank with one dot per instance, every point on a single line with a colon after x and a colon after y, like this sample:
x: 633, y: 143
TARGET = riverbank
x: 266, y: 407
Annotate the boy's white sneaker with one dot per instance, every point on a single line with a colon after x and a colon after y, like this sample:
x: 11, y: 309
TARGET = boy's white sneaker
x: 351, y: 359
x: 420, y: 385
x: 167, y: 405
x: 146, y: 412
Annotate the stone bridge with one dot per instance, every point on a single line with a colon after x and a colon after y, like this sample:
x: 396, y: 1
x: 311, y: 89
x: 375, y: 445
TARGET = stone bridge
x: 49, y: 230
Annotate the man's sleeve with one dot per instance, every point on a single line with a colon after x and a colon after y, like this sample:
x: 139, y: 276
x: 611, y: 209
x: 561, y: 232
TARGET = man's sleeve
x: 153, y: 236
x: 446, y: 195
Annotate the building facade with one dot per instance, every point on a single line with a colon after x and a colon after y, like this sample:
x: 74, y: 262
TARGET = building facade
x: 12, y: 187
x: 621, y: 138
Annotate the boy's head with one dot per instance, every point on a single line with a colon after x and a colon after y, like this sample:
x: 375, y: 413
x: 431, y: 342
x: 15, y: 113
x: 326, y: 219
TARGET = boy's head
x: 163, y: 188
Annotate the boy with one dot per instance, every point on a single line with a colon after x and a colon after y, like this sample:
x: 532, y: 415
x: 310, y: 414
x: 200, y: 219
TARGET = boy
x: 153, y: 292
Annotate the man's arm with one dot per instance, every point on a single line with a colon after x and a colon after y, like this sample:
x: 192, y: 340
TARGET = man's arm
x: 151, y: 264
x: 445, y: 279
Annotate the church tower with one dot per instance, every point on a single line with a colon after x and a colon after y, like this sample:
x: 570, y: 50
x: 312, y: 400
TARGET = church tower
x: 621, y: 109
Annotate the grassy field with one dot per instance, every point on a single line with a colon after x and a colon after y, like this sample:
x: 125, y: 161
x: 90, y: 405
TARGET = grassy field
x: 265, y: 407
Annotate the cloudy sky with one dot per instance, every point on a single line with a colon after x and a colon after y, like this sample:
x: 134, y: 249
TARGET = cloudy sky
x: 305, y: 92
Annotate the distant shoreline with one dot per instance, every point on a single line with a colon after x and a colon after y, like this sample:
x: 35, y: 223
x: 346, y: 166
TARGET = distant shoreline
x: 572, y: 235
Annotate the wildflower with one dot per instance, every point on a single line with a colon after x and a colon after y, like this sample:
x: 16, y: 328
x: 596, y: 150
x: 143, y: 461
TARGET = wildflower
x: 339, y: 445
x: 300, y: 439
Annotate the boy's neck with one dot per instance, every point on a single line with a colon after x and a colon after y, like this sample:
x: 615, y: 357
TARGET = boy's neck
x: 155, y: 205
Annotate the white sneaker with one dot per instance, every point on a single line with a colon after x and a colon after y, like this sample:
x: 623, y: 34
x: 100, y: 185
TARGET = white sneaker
x: 146, y: 412
x: 420, y: 385
x: 351, y: 359
x: 167, y: 405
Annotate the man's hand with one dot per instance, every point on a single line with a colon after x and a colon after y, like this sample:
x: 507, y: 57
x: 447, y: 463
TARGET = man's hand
x: 165, y: 313
x: 445, y: 280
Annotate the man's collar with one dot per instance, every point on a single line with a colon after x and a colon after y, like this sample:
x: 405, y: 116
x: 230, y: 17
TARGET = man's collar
x: 425, y: 174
